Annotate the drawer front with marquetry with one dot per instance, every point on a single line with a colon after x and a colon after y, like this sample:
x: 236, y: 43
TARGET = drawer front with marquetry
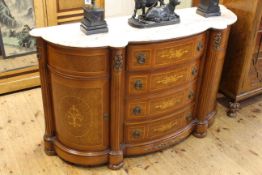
x: 151, y: 107
x: 155, y: 129
x: 152, y: 82
x: 150, y: 56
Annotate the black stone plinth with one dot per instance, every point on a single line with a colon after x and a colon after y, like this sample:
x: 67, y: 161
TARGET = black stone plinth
x: 93, y: 21
x: 209, y: 8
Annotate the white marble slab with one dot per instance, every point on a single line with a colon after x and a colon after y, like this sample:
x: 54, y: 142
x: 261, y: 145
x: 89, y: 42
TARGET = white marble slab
x: 120, y: 33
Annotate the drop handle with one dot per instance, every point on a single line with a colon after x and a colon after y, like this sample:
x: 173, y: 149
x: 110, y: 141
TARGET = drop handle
x: 137, y: 110
x: 136, y: 134
x: 138, y: 84
x: 141, y: 58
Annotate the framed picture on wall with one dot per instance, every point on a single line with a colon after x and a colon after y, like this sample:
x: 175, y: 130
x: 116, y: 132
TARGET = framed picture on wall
x: 17, y: 19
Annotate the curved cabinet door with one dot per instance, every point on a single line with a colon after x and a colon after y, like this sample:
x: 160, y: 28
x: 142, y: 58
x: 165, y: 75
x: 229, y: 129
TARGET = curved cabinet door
x: 81, y: 111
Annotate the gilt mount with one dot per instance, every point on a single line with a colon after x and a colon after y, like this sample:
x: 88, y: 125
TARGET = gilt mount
x: 154, y: 13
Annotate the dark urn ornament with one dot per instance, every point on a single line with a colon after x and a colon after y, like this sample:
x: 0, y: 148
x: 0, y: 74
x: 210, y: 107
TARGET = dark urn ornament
x: 208, y: 8
x: 94, y: 20
x: 154, y: 13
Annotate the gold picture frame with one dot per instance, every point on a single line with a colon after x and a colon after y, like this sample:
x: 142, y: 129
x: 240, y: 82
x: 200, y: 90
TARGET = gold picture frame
x: 58, y: 12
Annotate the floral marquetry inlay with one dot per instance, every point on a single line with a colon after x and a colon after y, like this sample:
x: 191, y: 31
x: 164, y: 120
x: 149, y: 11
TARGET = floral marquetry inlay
x: 166, y: 127
x: 167, y: 104
x: 74, y: 117
x: 170, y: 79
x: 77, y: 116
x: 173, y: 53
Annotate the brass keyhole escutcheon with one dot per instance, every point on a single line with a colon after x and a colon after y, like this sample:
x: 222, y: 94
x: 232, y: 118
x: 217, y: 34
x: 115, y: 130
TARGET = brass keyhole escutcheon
x: 137, y: 110
x: 138, y: 84
x: 141, y: 58
x: 136, y: 134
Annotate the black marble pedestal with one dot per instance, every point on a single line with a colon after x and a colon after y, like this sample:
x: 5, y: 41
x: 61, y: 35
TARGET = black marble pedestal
x: 93, y: 21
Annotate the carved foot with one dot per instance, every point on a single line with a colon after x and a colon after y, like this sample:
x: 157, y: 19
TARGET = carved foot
x: 201, y: 129
x: 116, y: 167
x: 50, y: 152
x: 49, y: 146
x: 200, y: 135
x: 234, y: 107
x: 116, y: 160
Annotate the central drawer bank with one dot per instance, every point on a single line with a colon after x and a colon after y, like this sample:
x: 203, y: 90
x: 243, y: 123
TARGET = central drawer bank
x: 130, y: 91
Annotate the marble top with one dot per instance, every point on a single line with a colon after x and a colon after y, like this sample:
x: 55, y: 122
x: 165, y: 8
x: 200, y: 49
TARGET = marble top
x: 120, y: 33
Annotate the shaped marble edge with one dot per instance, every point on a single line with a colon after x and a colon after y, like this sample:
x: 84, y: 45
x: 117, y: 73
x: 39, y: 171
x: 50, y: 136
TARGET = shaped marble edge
x: 120, y: 33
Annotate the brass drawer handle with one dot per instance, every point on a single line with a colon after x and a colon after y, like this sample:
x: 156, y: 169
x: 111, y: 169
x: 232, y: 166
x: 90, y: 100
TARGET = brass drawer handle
x: 138, y: 84
x: 200, y: 46
x: 137, y: 110
x: 136, y: 134
x: 194, y: 71
x: 141, y: 58
x: 191, y: 95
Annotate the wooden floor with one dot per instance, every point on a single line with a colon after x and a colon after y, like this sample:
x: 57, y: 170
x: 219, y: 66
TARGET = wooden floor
x: 233, y: 146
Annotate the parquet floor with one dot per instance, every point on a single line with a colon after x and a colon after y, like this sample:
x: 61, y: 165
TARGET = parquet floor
x: 233, y: 146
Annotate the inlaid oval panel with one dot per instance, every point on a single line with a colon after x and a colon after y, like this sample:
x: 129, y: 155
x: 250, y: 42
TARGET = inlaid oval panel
x: 76, y: 115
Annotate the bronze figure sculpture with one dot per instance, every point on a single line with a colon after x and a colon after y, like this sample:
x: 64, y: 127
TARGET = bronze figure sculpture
x: 156, y: 14
x: 142, y: 4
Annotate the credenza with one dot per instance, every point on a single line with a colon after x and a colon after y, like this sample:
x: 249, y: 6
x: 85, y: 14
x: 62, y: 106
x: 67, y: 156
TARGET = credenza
x: 130, y: 91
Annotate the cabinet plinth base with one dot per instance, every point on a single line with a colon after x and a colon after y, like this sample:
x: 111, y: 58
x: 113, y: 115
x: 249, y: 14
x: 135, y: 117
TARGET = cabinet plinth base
x: 202, y: 126
x: 49, y: 146
x: 116, y: 160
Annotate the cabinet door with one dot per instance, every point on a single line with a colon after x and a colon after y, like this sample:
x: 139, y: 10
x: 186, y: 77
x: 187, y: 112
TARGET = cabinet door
x: 81, y: 109
x: 255, y: 73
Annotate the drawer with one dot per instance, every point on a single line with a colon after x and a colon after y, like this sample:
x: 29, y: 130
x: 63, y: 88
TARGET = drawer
x: 161, y: 55
x: 79, y: 62
x: 153, y: 106
x: 151, y: 82
x: 156, y: 129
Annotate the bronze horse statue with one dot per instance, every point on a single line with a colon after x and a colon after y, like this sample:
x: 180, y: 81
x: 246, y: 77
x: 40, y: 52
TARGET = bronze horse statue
x: 163, y: 13
x: 142, y: 4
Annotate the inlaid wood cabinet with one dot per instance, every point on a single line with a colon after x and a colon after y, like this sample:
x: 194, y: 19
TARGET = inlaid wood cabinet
x: 242, y: 76
x: 242, y: 73
x: 108, y: 96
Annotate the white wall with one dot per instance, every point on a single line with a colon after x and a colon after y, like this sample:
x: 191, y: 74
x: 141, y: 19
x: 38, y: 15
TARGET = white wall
x: 126, y: 7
